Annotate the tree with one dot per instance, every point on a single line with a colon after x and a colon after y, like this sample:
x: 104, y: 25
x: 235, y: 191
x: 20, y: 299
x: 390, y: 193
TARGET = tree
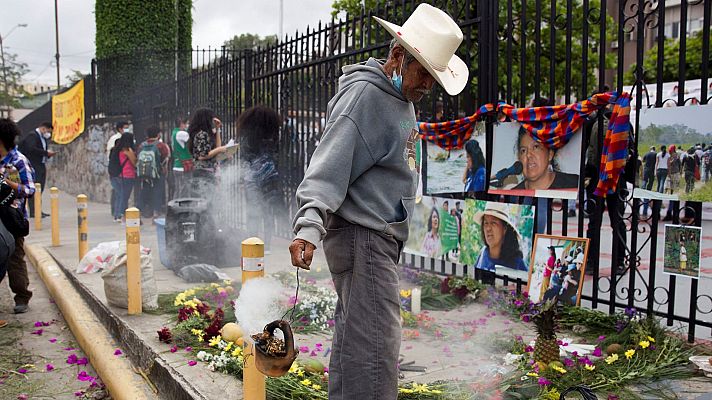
x: 139, y: 44
x: 10, y: 76
x: 671, y: 61
x: 249, y: 41
x: 577, y: 69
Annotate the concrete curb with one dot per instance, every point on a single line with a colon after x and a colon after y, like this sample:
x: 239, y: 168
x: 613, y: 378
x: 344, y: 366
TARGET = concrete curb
x: 93, y: 338
x: 169, y: 382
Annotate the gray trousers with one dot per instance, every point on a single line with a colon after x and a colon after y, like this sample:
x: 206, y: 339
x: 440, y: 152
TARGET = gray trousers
x: 366, y: 344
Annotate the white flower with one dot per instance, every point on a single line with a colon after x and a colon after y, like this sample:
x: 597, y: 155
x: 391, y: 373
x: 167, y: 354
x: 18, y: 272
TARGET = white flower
x: 201, y: 355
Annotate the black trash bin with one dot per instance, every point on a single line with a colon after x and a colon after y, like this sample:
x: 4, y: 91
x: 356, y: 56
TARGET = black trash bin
x: 191, y: 233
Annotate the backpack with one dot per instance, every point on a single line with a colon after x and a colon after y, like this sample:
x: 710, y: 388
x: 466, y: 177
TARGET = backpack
x: 115, y: 165
x: 148, y: 162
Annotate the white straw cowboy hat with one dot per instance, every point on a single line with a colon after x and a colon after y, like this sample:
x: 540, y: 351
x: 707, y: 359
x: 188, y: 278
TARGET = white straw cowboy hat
x: 500, y: 211
x: 432, y: 37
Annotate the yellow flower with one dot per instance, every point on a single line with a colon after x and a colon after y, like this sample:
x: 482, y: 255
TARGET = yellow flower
x: 651, y: 339
x: 405, y: 293
x: 558, y: 369
x: 405, y: 390
x: 196, y: 313
x: 611, y: 359
x: 228, y: 347
x: 200, y: 338
x: 294, y: 368
x: 436, y: 391
x: 306, y: 382
x: 533, y: 374
x: 196, y: 332
x: 590, y: 367
x: 644, y: 344
x: 316, y: 387
x: 214, y: 285
x: 215, y: 341
x: 629, y: 354
x: 420, y: 388
x: 227, y: 282
x: 236, y: 352
x: 300, y: 373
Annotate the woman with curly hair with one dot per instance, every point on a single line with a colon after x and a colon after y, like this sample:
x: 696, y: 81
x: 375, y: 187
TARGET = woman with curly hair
x: 431, y: 241
x: 501, y: 239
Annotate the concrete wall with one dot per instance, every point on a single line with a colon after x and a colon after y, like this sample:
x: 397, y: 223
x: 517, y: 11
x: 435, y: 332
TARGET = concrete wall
x: 81, y: 166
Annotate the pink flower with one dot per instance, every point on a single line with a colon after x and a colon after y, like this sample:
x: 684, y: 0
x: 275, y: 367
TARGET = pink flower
x: 82, y: 361
x: 330, y: 323
x: 38, y: 332
x: 597, y: 352
x: 313, y: 353
x: 72, y: 359
x: 192, y: 363
x: 84, y: 377
x: 118, y: 352
x: 22, y: 371
x: 601, y: 338
x: 188, y: 349
x: 49, y: 367
x: 53, y: 340
x: 69, y: 349
x: 544, y: 382
x: 22, y: 397
x: 613, y: 397
x: 528, y: 349
x: 568, y: 362
x: 174, y: 349
x: 79, y: 393
x: 326, y: 370
x: 38, y: 324
x: 303, y: 349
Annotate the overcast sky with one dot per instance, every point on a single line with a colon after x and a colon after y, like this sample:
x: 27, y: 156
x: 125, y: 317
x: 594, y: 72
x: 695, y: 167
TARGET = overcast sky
x: 214, y: 21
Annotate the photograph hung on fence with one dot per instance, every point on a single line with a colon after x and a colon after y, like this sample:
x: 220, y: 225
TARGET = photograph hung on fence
x: 557, y: 269
x: 458, y: 171
x: 522, y: 166
x: 682, y: 250
x: 497, y: 236
x: 435, y: 228
x: 675, y: 150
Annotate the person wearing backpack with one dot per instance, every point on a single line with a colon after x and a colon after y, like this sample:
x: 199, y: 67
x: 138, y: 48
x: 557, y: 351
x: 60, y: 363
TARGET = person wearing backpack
x: 151, y: 170
x: 124, y: 153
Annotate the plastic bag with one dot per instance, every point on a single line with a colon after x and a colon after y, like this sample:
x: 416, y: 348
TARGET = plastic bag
x: 202, y: 273
x: 115, y: 281
x: 98, y: 258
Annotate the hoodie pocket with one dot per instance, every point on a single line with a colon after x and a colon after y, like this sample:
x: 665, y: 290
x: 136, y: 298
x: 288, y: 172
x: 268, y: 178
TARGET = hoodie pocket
x: 399, y: 229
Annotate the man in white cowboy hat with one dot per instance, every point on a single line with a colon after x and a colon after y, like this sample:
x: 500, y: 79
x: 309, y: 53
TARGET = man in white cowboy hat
x: 359, y: 191
x: 500, y: 238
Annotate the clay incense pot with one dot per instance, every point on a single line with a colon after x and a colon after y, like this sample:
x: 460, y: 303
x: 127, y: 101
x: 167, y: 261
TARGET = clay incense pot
x: 269, y: 362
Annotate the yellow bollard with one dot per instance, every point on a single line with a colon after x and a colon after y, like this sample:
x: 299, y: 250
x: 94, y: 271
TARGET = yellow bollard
x: 253, y: 253
x: 83, y: 225
x: 38, y: 206
x: 133, y: 263
x: 54, y: 200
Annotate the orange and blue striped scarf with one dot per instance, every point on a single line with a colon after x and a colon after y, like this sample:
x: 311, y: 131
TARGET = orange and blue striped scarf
x: 553, y: 126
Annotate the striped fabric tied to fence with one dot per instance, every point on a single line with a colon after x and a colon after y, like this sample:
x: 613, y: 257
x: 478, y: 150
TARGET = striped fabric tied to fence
x: 552, y: 126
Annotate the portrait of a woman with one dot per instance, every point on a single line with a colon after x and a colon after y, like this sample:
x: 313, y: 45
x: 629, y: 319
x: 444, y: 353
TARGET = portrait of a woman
x: 431, y: 241
x: 501, y: 239
x: 539, y: 169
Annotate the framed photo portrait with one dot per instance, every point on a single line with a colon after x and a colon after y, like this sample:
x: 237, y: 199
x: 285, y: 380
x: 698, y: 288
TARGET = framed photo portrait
x: 557, y: 269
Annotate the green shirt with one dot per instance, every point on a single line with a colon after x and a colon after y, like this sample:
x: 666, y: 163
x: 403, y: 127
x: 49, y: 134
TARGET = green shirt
x: 180, y: 153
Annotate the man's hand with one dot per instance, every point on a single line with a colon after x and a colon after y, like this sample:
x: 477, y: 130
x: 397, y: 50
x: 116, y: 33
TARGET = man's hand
x: 302, y: 253
x: 50, y: 153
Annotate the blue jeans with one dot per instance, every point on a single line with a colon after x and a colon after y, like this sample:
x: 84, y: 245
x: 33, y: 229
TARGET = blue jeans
x: 125, y: 188
x: 152, y: 196
x: 662, y: 176
x: 115, y: 196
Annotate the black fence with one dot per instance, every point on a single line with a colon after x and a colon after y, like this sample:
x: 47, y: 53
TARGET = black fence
x: 565, y: 50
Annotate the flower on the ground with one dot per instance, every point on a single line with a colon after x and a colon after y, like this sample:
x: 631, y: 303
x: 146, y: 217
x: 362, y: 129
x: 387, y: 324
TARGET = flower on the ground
x: 22, y: 397
x: 237, y: 351
x: 558, y: 369
x: 601, y: 338
x: 69, y: 349
x: 38, y: 332
x: 568, y: 362
x: 613, y: 397
x: 53, y: 340
x: 528, y: 349
x: 72, y: 359
x: 49, y: 367
x: 651, y: 339
x: 544, y: 382
x: 405, y: 293
x: 79, y: 393
x: 533, y: 374
x: 215, y: 341
x: 118, y: 352
x: 188, y: 349
x: 597, y: 352
x: 644, y: 344
x: 303, y: 349
x: 84, y: 376
x: 38, y: 324
x: 174, y: 349
x: 611, y: 359
x: 590, y: 367
x: 192, y: 363
x: 164, y: 335
x: 316, y: 387
x: 629, y: 354
x: 22, y: 371
x: 306, y: 382
x: 82, y: 361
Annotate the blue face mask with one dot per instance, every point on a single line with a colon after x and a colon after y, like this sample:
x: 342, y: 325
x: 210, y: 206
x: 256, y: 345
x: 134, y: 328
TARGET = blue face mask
x: 397, y: 79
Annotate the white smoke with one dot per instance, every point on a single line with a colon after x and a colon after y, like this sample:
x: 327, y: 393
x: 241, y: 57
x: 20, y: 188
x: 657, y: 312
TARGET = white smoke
x: 258, y: 304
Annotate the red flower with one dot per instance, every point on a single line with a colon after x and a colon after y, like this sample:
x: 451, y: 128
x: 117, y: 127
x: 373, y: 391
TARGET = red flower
x: 164, y: 335
x: 215, y: 324
x: 184, y: 313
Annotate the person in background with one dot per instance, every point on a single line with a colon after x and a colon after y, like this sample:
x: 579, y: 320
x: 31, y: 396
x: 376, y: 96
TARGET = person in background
x: 258, y: 128
x: 204, y: 144
x: 121, y: 127
x: 182, y: 159
x: 689, y: 164
x: 35, y: 147
x: 475, y: 173
x: 661, y: 168
x: 548, y: 270
x: 674, y: 169
x: 649, y: 160
x: 431, y: 240
x: 124, y: 150
x: 707, y: 163
x: 683, y: 255
x: 153, y: 184
x: 18, y: 173
x: 439, y: 113
x: 500, y: 239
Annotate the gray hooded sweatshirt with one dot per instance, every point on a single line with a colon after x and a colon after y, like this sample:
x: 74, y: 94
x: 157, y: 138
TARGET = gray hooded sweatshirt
x: 364, y: 169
